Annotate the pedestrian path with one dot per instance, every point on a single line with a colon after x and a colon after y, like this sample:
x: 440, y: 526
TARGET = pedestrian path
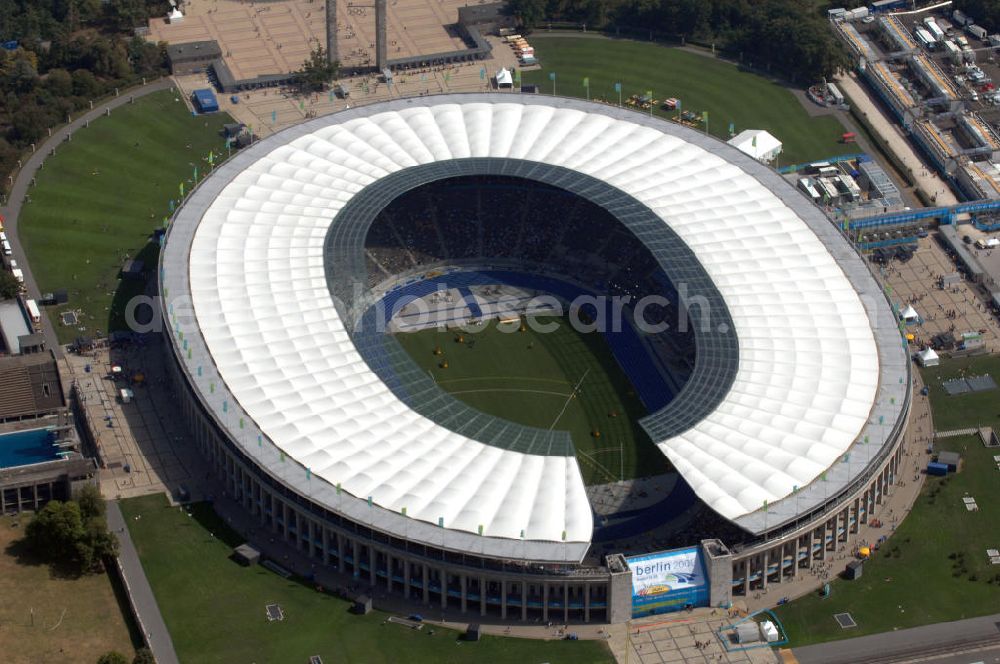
x: 140, y: 593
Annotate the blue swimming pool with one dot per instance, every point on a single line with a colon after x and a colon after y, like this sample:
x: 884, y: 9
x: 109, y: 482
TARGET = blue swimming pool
x: 26, y: 447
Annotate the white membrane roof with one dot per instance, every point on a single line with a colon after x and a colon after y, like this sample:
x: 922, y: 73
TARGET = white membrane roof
x: 270, y: 355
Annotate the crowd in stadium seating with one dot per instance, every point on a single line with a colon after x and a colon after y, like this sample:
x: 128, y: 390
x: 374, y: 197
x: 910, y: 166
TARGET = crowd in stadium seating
x: 497, y: 217
x: 508, y: 218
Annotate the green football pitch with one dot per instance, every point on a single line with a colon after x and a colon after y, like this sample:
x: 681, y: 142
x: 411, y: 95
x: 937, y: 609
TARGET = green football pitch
x: 562, y: 379
x: 701, y: 82
x: 99, y: 198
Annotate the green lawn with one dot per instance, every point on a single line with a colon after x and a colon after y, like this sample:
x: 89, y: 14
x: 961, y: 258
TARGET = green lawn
x: 100, y: 197
x: 913, y: 580
x: 701, y: 83
x: 963, y: 410
x: 920, y: 582
x: 214, y: 608
x: 528, y: 377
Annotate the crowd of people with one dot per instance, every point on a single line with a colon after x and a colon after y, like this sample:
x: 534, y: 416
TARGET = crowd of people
x: 497, y: 217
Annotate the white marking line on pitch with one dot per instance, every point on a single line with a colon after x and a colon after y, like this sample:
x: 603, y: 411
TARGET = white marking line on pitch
x: 543, y: 380
x: 511, y: 389
x: 571, y: 395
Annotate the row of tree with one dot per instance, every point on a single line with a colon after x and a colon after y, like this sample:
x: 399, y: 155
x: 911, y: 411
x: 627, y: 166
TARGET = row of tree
x: 791, y: 37
x: 59, y: 55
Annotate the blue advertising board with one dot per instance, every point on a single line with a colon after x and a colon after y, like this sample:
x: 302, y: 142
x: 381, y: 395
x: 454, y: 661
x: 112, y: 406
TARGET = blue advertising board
x: 667, y: 581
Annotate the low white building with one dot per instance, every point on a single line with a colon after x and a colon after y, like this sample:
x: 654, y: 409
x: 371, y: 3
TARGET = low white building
x: 757, y: 143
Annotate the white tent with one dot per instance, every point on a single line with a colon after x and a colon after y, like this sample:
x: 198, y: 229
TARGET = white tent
x: 175, y: 15
x: 757, y: 143
x: 910, y: 314
x: 504, y: 79
x: 928, y: 358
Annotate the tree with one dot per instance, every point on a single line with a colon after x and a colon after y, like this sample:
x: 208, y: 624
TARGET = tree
x: 85, y: 85
x: 143, y: 656
x: 529, y: 12
x: 59, y: 82
x: 91, y: 502
x: 55, y: 531
x: 113, y: 657
x: 316, y: 73
x: 9, y: 285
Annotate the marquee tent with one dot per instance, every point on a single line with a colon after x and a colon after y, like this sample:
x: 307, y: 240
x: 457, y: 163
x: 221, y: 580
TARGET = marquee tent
x: 910, y: 315
x: 928, y: 358
x: 757, y: 143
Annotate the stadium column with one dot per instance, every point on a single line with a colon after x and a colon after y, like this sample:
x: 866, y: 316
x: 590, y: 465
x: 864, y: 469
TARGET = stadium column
x: 765, y: 563
x: 325, y: 537
x: 586, y: 602
x: 503, y: 599
x: 381, y: 45
x: 388, y: 571
x: 524, y: 602
x: 331, y: 31
x: 311, y: 545
x: 482, y: 596
x: 545, y: 601
x: 464, y: 581
x: 796, y: 545
x: 565, y: 603
x: 372, y: 564
x: 406, y: 579
x: 811, y: 542
x: 284, y: 520
x: 427, y: 584
x: 746, y: 577
x: 356, y: 558
x: 443, y: 574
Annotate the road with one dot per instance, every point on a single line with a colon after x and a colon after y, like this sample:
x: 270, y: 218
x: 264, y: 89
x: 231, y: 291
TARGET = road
x: 15, y: 201
x: 959, y: 642
x: 150, y: 619
x: 923, y: 176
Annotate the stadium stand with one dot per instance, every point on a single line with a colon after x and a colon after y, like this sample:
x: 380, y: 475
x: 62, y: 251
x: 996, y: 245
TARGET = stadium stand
x: 548, y: 230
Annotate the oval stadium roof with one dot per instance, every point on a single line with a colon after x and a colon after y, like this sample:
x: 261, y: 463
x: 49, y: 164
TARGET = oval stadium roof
x: 271, y: 358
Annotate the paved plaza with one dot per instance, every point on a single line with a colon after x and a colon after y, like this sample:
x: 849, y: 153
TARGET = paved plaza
x: 963, y: 307
x: 147, y: 435
x: 275, y: 37
x: 269, y: 110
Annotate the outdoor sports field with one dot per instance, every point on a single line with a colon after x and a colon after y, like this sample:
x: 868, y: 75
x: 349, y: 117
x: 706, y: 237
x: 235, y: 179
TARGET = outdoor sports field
x: 100, y: 197
x: 215, y: 608
x: 700, y: 81
x: 557, y: 380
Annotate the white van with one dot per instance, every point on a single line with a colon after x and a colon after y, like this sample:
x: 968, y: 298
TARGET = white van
x: 6, y: 248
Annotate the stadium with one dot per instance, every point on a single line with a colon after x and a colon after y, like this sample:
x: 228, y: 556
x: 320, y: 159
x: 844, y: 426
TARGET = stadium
x: 325, y: 290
